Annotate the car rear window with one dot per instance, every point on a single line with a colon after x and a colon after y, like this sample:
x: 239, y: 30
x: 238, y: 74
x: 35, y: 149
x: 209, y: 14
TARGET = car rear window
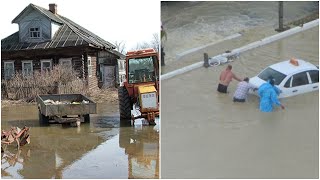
x: 271, y: 73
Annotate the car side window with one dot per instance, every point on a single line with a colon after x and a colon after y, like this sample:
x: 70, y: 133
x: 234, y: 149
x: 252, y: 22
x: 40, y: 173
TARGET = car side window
x: 314, y: 75
x: 287, y: 84
x: 300, y: 79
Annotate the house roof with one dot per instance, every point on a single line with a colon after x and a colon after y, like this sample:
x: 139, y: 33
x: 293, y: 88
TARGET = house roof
x: 42, y: 10
x: 69, y: 34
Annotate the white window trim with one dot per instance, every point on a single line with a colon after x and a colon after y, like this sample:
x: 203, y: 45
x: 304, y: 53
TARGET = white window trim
x: 40, y: 33
x: 28, y: 61
x: 46, y: 60
x: 4, y: 65
x: 89, y: 65
x: 61, y: 60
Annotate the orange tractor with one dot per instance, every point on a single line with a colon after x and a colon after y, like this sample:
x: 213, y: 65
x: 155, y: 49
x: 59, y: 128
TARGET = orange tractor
x: 139, y: 96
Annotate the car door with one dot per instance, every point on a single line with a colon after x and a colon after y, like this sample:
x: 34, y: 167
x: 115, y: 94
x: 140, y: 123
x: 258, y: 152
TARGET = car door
x: 300, y: 84
x: 314, y: 79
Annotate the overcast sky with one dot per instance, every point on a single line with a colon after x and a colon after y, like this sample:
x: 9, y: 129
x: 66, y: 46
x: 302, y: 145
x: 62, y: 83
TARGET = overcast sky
x: 118, y: 20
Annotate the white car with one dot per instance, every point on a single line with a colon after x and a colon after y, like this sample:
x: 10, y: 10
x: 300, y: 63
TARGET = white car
x: 292, y: 77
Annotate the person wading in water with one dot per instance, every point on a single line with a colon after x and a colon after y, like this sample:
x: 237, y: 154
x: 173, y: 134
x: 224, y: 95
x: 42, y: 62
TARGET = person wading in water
x: 226, y: 77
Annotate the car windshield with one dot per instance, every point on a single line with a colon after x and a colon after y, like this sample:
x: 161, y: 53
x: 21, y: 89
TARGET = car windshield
x: 142, y: 69
x: 271, y: 73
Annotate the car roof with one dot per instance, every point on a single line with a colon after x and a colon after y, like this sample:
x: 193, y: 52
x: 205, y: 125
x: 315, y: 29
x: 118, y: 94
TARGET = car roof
x: 287, y: 68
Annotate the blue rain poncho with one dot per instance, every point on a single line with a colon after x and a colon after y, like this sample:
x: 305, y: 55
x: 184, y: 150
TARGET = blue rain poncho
x: 268, y: 96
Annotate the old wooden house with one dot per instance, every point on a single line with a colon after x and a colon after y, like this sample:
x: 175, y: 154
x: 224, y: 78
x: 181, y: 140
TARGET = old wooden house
x: 46, y: 38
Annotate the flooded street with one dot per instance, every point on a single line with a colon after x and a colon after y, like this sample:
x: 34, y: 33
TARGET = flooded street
x: 206, y: 135
x: 100, y: 149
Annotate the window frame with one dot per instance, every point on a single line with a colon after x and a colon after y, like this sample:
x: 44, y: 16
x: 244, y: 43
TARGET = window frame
x: 4, y: 66
x: 23, y: 65
x: 61, y: 60
x: 290, y: 83
x: 45, y: 60
x: 37, y: 32
x: 310, y: 78
x: 305, y: 72
x: 89, y: 60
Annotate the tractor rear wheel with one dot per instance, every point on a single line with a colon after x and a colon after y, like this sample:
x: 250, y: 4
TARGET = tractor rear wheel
x: 124, y: 104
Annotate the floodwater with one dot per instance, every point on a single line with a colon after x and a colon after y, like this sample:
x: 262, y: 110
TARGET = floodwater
x: 206, y: 135
x: 100, y: 149
x: 194, y: 24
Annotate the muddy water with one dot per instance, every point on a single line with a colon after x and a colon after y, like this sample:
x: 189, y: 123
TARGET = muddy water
x: 206, y: 135
x: 194, y: 24
x: 101, y: 149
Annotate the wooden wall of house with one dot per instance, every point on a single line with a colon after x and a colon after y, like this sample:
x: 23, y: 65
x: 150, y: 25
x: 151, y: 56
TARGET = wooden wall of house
x: 107, y: 58
x: 76, y: 64
x: 34, y: 19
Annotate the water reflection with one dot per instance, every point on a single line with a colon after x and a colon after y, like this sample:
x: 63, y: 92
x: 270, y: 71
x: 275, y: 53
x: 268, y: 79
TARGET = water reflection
x: 141, y: 139
x: 95, y: 150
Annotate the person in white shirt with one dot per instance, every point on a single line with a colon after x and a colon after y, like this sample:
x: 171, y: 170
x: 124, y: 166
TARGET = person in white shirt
x: 240, y: 95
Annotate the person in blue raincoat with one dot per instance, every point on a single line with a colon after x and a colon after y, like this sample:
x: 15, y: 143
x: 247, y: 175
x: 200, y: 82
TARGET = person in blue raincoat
x: 268, y: 96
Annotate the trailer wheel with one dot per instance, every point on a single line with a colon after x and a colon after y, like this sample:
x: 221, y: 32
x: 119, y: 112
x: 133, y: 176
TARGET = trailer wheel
x: 43, y: 120
x: 124, y: 104
x: 86, y: 118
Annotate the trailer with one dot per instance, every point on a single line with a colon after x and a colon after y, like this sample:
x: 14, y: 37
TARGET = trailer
x: 65, y: 108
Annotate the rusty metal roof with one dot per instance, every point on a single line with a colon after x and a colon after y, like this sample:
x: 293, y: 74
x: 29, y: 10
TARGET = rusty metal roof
x: 69, y: 34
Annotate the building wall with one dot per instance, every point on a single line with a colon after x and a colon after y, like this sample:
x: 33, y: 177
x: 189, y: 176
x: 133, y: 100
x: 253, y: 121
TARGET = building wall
x: 77, y: 64
x: 106, y: 59
x: 36, y: 62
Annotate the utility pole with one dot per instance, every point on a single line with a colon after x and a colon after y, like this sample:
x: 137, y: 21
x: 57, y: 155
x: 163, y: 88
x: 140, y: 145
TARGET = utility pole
x: 280, y: 15
x: 281, y: 27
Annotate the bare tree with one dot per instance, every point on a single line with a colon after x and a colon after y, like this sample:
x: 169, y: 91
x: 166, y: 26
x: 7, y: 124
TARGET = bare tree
x: 120, y: 46
x: 154, y: 43
x: 143, y: 45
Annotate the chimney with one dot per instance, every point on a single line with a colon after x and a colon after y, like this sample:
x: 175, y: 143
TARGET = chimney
x: 53, y: 8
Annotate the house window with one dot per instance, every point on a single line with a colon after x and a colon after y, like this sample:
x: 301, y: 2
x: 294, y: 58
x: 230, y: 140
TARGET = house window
x: 89, y: 67
x: 8, y: 69
x: 65, y: 62
x: 46, y: 65
x: 27, y: 68
x: 34, y: 32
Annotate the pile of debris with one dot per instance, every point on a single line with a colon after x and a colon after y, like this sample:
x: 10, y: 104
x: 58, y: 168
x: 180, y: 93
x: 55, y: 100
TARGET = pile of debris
x: 15, y: 134
x: 50, y: 101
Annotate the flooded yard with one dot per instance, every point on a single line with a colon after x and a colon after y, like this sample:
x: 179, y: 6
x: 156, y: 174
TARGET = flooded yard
x: 103, y: 148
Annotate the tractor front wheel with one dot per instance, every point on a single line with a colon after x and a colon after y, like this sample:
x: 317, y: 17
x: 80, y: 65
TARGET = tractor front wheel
x: 124, y: 104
